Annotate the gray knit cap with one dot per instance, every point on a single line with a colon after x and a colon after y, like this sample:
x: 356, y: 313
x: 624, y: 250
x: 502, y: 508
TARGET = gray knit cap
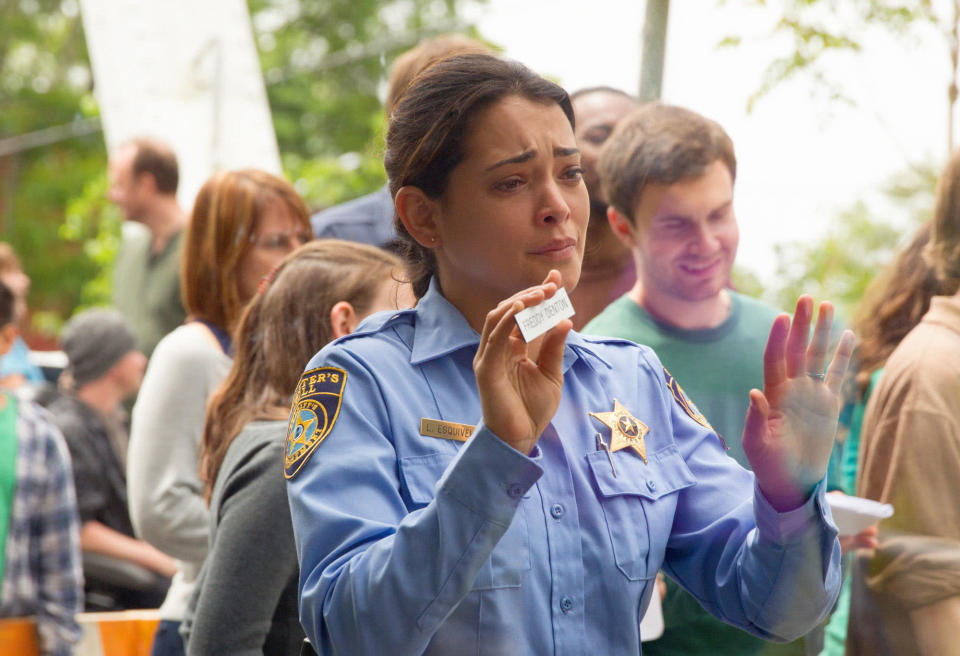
x: 95, y: 340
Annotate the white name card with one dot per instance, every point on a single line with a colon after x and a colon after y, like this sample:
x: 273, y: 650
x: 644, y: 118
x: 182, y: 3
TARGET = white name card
x: 536, y: 320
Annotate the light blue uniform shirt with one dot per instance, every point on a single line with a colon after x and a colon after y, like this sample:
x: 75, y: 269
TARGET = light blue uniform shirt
x: 413, y: 544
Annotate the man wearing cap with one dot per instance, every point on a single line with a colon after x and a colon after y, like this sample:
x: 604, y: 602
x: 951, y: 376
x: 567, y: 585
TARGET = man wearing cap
x: 104, y: 369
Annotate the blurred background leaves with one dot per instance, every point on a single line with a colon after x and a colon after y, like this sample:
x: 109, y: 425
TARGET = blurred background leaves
x: 325, y: 65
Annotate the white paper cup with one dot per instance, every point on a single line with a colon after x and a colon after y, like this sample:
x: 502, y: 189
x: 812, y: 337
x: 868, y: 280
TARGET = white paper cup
x: 853, y: 514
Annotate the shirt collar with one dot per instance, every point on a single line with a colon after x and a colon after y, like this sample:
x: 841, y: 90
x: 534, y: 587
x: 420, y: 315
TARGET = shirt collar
x: 944, y: 310
x: 441, y: 329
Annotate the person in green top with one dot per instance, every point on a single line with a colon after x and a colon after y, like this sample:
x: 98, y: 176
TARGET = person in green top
x: 146, y: 282
x: 668, y: 175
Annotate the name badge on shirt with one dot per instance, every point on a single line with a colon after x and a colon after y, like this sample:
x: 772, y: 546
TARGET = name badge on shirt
x: 445, y: 430
x: 316, y: 406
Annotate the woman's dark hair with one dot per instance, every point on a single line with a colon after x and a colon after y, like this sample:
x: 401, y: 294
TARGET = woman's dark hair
x: 429, y: 127
x: 893, y: 304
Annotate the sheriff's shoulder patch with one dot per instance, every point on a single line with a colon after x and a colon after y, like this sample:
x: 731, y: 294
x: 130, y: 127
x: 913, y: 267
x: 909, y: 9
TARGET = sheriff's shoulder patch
x: 316, y: 405
x: 680, y: 397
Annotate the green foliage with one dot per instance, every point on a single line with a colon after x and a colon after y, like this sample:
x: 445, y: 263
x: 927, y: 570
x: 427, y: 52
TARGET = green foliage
x: 819, y: 30
x: 842, y: 264
x: 324, y: 63
x: 326, y: 181
x: 325, y: 60
x: 45, y: 183
x: 746, y: 281
x: 45, y: 81
x: 96, y: 224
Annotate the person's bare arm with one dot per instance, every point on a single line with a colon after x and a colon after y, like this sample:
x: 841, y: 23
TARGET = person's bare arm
x: 935, y: 626
x: 100, y: 538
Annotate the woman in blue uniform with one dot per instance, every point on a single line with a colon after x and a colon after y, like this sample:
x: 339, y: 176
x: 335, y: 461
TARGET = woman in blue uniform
x: 455, y: 489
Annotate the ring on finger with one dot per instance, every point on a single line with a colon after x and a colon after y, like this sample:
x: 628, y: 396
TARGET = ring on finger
x: 817, y: 377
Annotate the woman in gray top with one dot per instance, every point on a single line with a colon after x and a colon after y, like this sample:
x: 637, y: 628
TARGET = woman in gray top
x: 245, y: 601
x: 242, y: 225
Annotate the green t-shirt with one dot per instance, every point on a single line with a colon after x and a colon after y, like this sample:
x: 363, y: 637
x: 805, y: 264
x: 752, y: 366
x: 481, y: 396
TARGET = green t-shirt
x: 146, y: 287
x: 717, y: 368
x: 8, y: 469
x: 851, y: 449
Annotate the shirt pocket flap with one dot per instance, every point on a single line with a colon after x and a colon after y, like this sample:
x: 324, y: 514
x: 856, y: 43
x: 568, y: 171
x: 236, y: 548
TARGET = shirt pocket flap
x: 665, y: 473
x: 420, y: 474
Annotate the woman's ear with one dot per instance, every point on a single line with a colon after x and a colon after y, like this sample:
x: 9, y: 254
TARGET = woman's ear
x: 419, y: 213
x: 343, y: 319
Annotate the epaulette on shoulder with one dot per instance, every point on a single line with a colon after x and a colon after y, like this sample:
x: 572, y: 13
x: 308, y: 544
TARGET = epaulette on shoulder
x: 603, y: 343
x: 600, y: 339
x: 377, y: 322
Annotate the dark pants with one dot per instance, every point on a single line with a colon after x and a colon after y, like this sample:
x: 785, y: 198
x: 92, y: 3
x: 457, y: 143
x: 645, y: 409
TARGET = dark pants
x: 167, y: 640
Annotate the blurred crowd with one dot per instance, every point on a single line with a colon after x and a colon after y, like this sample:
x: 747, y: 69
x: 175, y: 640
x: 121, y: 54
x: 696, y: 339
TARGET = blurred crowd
x: 147, y: 472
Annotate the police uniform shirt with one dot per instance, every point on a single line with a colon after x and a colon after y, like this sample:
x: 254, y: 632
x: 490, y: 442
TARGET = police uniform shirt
x: 416, y: 543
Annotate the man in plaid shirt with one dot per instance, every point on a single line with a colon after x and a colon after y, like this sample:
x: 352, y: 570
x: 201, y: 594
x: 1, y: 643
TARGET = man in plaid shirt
x: 42, y: 574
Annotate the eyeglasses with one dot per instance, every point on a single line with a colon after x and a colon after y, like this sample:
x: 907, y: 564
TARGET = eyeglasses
x: 286, y: 241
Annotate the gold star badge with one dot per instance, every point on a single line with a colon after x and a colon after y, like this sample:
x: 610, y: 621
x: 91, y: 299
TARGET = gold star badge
x: 625, y: 429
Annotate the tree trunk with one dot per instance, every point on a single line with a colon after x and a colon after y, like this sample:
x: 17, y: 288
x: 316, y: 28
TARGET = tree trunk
x: 654, y: 48
x: 952, y: 89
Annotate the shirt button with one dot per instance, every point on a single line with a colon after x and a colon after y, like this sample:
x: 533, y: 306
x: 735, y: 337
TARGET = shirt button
x: 557, y: 511
x: 651, y: 484
x: 566, y: 604
x: 515, y: 491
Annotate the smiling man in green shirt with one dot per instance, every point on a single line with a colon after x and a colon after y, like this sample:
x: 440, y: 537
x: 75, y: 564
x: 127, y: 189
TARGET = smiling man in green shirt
x: 668, y: 174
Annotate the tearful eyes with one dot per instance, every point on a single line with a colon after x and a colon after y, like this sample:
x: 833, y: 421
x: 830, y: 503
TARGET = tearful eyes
x: 573, y: 174
x: 507, y: 185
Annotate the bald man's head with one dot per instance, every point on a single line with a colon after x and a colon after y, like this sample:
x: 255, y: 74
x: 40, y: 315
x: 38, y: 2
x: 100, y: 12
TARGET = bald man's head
x: 597, y: 111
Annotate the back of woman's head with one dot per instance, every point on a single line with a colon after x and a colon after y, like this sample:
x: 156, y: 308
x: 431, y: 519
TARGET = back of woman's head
x: 289, y: 320
x: 893, y: 304
x: 430, y: 123
x: 281, y: 328
x: 221, y: 231
x: 944, y: 249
